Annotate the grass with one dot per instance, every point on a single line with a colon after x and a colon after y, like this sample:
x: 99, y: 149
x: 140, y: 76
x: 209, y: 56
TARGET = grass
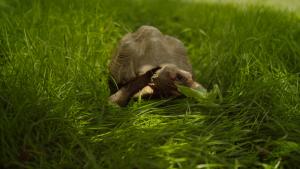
x: 292, y: 5
x: 53, y: 87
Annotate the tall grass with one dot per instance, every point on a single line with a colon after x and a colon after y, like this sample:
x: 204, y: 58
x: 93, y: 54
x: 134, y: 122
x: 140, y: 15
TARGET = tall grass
x: 53, y: 87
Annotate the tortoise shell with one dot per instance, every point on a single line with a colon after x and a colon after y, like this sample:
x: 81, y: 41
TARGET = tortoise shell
x: 144, y: 50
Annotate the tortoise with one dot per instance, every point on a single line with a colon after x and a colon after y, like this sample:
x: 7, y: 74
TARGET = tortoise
x: 149, y: 62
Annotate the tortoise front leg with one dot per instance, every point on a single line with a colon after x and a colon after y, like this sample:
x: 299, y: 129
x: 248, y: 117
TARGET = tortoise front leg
x: 122, y: 96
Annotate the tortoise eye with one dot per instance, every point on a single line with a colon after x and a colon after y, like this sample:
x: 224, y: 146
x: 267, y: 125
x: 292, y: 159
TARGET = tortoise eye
x: 179, y: 77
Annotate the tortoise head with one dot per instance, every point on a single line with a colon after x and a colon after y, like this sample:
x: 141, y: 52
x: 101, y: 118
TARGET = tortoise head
x: 169, y: 75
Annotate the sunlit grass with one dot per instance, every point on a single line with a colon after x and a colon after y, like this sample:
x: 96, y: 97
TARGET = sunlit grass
x: 290, y: 5
x: 53, y: 87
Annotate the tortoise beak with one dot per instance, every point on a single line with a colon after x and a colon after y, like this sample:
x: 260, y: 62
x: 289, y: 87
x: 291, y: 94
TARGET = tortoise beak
x: 195, y: 85
x: 198, y: 86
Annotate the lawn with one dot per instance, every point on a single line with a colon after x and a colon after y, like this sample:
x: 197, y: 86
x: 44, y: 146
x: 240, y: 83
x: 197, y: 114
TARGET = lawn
x: 54, y: 112
x: 291, y: 5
